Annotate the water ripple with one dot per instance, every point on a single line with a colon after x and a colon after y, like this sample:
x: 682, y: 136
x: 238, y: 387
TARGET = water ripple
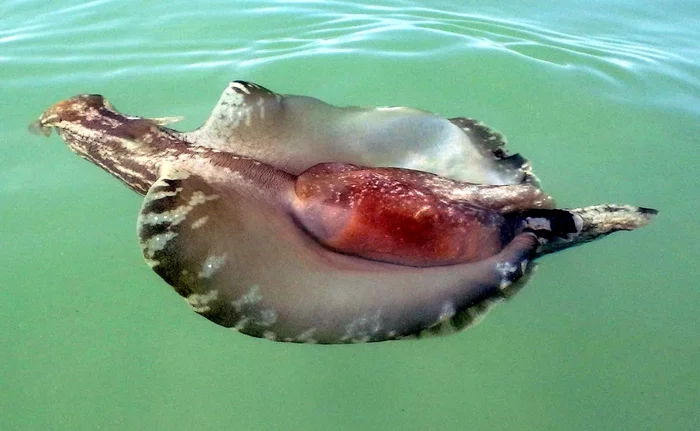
x: 257, y: 34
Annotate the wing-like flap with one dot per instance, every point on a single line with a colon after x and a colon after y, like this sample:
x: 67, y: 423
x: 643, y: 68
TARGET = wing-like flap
x: 294, y: 133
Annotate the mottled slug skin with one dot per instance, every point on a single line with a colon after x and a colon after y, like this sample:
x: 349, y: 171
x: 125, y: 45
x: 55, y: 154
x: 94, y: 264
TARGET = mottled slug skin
x: 326, y: 253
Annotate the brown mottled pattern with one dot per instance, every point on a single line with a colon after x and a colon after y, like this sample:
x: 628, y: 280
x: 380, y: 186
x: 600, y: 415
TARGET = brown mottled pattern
x: 130, y: 148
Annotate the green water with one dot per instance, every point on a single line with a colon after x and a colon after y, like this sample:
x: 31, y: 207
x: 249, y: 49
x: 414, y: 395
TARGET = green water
x: 602, y: 96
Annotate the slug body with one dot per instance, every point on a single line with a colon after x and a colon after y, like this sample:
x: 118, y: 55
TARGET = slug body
x: 330, y: 252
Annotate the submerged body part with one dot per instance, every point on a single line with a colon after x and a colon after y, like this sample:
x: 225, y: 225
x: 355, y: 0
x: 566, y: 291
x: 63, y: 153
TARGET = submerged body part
x: 332, y: 252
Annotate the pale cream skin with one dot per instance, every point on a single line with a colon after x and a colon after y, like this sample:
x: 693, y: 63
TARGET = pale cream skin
x: 293, y: 133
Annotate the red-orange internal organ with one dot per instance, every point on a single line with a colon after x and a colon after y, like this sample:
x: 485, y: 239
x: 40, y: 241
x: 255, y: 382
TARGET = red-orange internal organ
x: 385, y: 214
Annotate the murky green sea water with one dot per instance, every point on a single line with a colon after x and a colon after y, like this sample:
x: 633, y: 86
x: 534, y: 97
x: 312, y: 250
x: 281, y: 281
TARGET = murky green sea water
x: 603, y: 96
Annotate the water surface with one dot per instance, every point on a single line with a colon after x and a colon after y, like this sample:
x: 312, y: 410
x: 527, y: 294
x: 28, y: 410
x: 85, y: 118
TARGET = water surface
x: 603, y: 97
